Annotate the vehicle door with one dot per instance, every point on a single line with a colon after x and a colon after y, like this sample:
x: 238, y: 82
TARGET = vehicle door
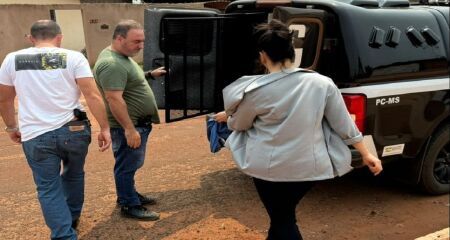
x: 203, y: 52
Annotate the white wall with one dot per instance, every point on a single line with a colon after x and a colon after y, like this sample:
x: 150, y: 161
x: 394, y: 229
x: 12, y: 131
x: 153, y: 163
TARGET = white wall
x: 71, y: 24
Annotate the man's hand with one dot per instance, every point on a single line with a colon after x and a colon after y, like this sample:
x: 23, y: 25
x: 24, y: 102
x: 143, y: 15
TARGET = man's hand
x: 15, y: 136
x: 104, y: 140
x: 8, y: 111
x: 373, y: 163
x: 94, y: 100
x: 156, y: 73
x: 133, y: 138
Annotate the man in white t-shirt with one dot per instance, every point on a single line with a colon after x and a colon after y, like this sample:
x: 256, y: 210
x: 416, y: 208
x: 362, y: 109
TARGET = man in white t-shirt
x: 52, y: 126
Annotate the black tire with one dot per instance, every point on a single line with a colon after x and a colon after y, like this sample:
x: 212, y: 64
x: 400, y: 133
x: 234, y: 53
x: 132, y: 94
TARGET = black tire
x: 435, y: 175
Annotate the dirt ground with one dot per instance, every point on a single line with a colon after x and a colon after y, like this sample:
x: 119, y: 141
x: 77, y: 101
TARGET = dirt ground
x: 203, y: 196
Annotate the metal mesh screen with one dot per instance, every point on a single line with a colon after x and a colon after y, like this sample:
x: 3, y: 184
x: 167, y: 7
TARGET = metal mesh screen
x: 203, y: 54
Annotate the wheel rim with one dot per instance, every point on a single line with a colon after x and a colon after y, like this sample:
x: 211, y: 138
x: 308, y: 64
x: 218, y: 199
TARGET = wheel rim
x: 442, y: 165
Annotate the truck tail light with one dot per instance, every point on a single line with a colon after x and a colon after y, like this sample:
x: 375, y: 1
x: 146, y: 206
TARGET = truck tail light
x: 356, y: 106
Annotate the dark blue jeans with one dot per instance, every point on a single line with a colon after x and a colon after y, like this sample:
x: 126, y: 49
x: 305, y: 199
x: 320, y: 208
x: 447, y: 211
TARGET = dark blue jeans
x: 128, y: 161
x: 280, y: 200
x: 61, y: 196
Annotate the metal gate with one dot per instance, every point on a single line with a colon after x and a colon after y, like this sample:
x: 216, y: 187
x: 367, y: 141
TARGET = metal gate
x: 203, y: 55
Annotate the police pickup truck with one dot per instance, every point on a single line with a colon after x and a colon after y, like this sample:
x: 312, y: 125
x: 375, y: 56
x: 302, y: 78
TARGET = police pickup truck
x: 390, y: 59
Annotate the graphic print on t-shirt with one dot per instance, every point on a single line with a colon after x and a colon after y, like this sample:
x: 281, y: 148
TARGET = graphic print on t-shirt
x: 41, y: 61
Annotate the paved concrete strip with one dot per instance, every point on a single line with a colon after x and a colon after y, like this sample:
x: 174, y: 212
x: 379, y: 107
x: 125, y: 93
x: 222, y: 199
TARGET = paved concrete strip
x: 439, y: 235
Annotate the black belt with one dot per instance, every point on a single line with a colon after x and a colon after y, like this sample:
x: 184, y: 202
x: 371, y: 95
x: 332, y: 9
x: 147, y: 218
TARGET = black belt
x: 144, y: 121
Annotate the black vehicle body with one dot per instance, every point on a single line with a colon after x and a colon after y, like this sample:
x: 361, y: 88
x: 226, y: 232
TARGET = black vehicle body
x: 389, y: 58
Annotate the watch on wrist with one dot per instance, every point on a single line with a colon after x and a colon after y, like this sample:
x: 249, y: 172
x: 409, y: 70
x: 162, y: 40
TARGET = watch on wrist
x: 11, y: 129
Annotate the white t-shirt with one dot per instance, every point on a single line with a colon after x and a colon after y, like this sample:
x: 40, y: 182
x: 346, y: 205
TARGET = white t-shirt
x: 44, y: 80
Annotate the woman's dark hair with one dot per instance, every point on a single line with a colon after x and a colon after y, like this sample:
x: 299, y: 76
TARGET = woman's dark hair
x: 275, y: 39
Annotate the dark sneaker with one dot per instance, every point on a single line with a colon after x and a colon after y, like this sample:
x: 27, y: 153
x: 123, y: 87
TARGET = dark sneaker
x: 146, y: 199
x: 139, y: 212
x: 75, y: 223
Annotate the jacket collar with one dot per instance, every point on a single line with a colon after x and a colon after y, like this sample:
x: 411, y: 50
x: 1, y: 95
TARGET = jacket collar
x: 272, y: 77
x: 234, y: 93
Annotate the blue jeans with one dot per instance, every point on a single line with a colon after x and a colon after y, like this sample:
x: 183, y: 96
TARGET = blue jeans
x: 128, y: 161
x: 61, y: 196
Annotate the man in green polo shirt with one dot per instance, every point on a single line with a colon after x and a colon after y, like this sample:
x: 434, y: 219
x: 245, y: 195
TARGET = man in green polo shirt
x: 131, y: 108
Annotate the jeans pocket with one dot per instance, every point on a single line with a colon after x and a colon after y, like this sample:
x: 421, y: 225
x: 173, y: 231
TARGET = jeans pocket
x: 41, y: 150
x: 80, y: 139
x: 38, y: 149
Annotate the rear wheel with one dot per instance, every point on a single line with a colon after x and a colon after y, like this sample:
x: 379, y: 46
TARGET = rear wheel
x: 435, y: 175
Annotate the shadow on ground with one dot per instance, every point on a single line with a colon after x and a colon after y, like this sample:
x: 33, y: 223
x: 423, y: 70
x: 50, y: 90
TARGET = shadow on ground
x: 229, y: 194
x: 223, y: 194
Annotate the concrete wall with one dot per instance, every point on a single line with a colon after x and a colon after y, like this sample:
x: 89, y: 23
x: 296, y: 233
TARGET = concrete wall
x: 99, y: 22
x: 14, y: 29
x: 40, y: 2
x: 71, y: 23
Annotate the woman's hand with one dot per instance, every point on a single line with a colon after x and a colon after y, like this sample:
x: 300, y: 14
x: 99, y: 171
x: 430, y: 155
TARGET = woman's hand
x: 220, y: 117
x: 368, y: 158
x: 373, y: 163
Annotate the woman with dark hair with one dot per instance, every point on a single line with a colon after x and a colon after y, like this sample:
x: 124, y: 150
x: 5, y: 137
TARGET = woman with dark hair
x: 290, y: 129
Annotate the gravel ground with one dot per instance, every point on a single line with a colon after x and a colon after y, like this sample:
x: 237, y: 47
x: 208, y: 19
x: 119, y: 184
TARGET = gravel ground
x: 203, y: 196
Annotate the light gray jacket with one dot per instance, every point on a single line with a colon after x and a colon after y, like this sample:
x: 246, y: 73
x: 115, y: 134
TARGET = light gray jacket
x: 288, y: 126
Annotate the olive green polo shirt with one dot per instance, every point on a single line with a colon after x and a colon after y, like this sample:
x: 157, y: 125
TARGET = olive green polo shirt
x: 116, y: 72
